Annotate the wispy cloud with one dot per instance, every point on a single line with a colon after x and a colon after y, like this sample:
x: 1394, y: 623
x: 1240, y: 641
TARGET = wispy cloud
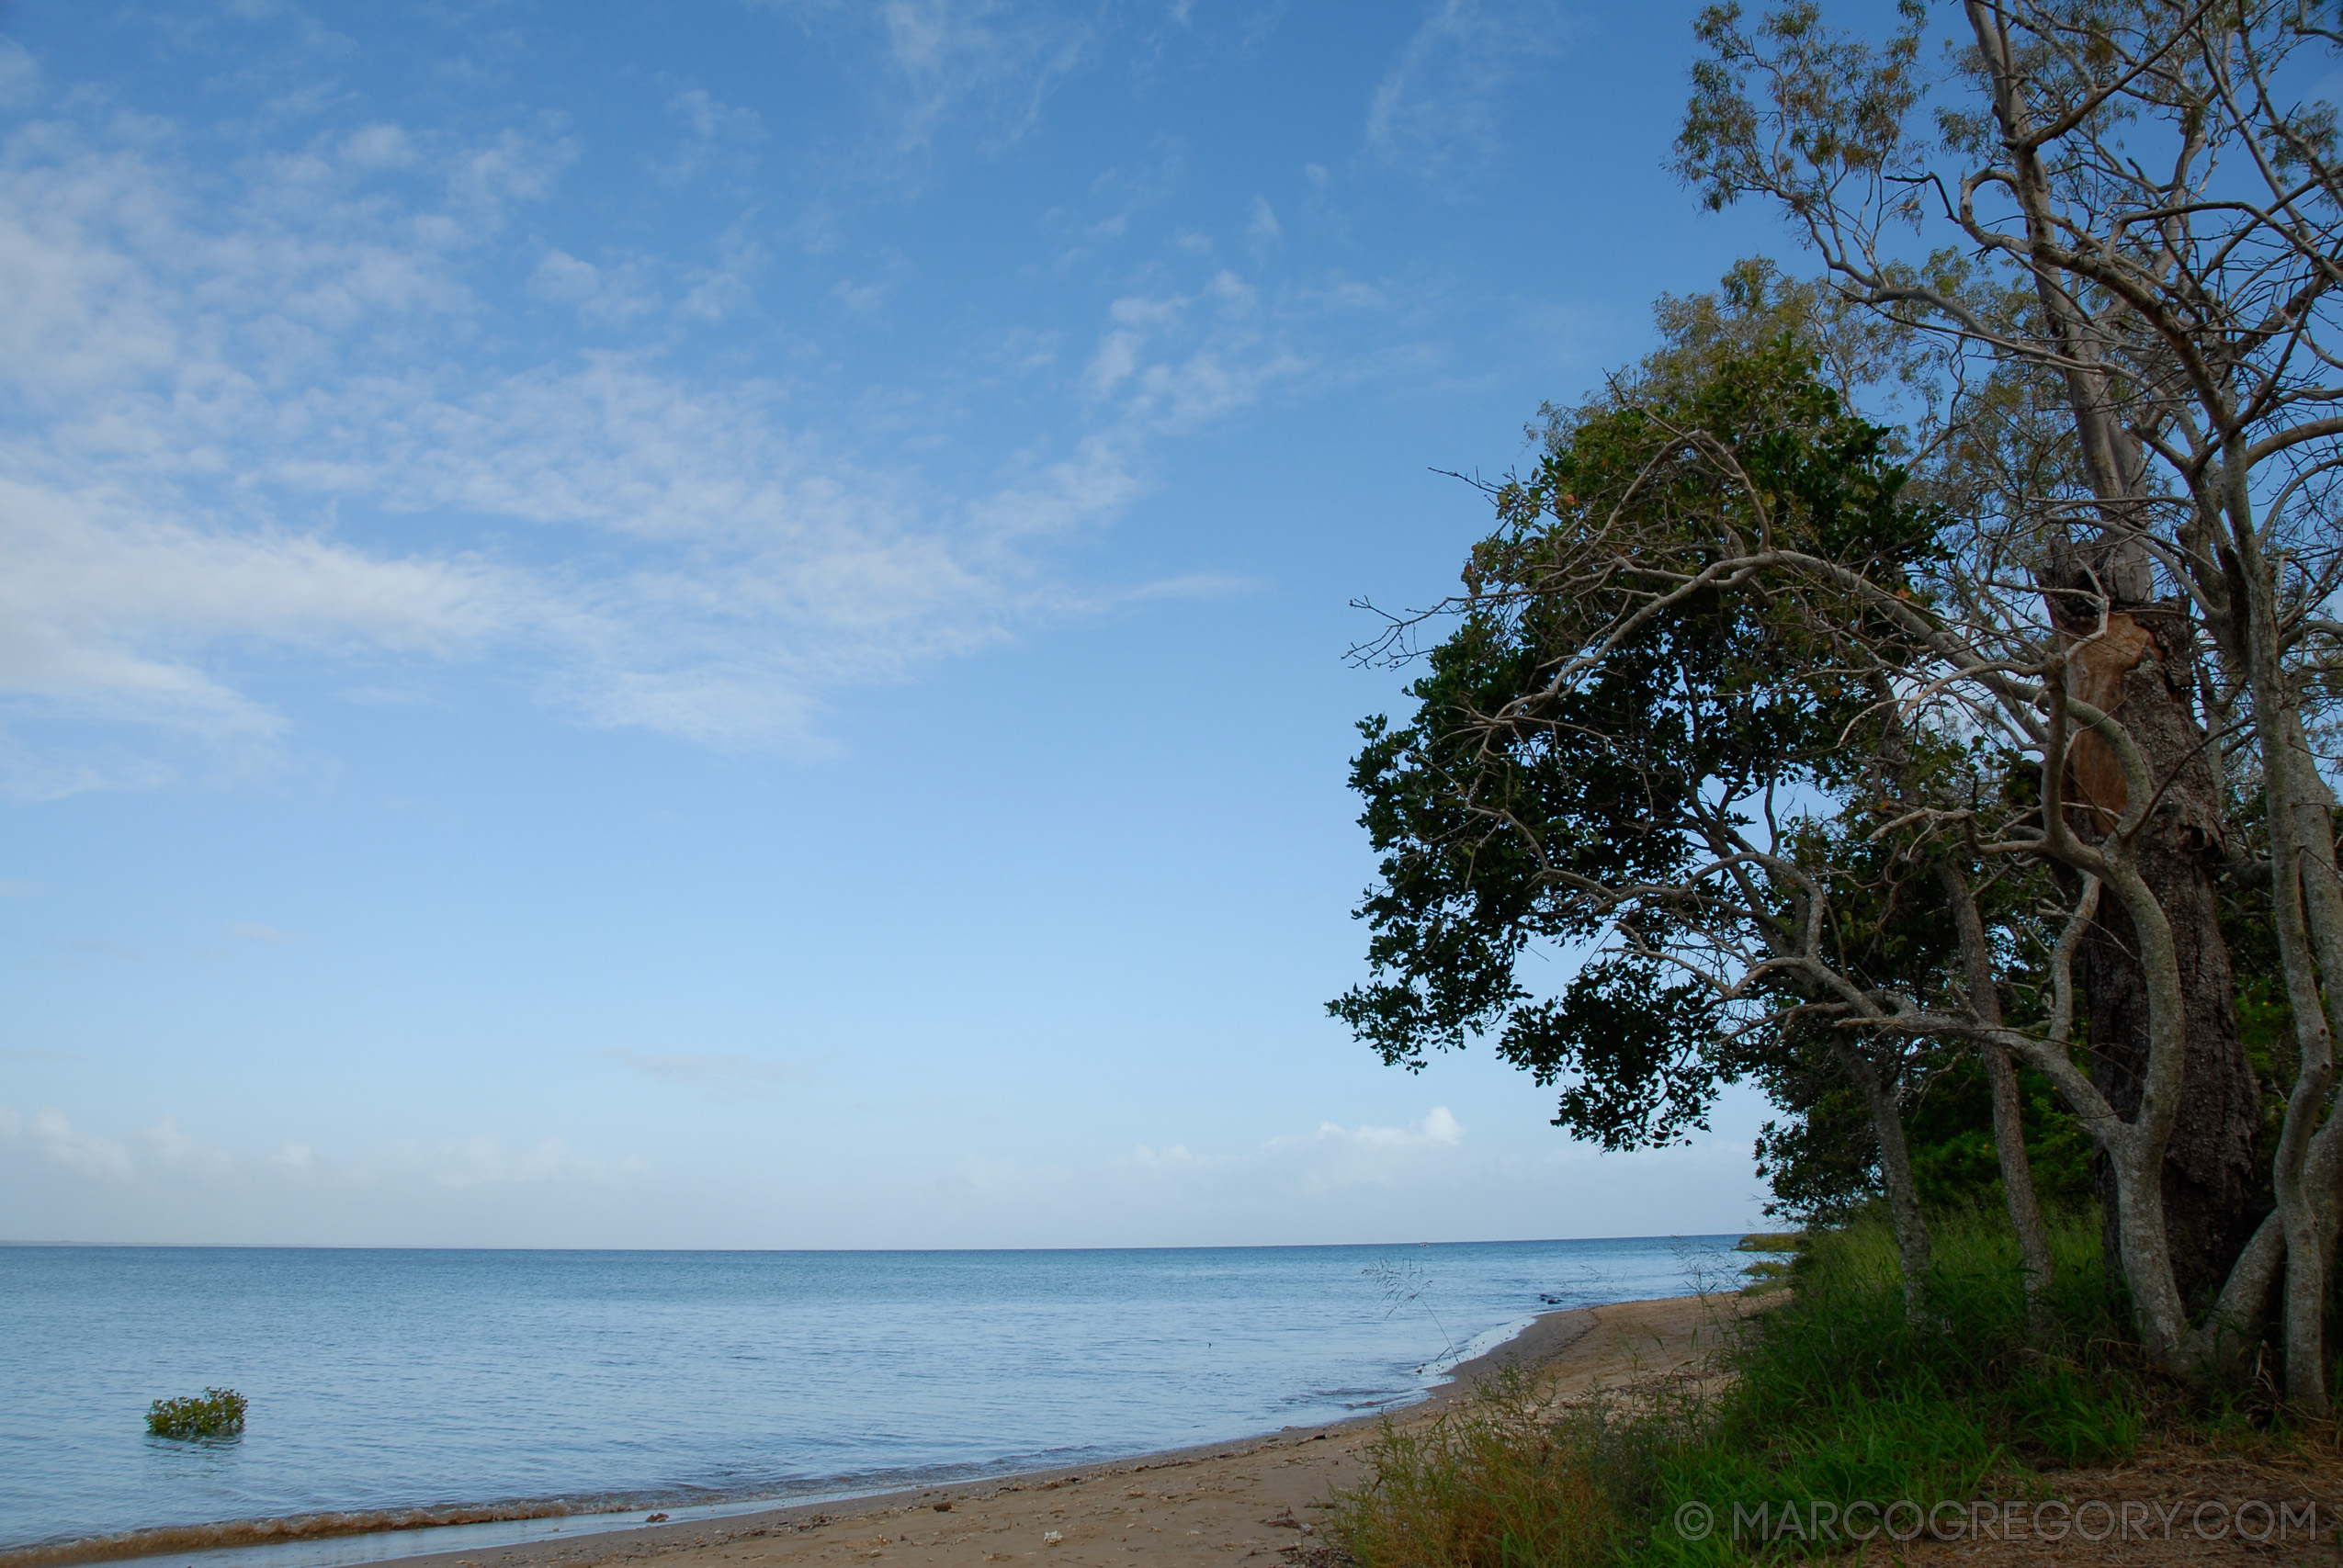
x: 19, y: 75
x: 718, y: 138
x: 1437, y: 109
x: 606, y: 295
x: 1331, y: 1157
x: 234, y: 395
x: 996, y: 59
x: 1264, y: 230
x: 722, y: 1076
x: 983, y: 67
x: 55, y: 1140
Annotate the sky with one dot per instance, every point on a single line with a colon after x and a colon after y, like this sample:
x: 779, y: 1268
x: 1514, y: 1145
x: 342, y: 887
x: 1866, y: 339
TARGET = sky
x: 722, y: 623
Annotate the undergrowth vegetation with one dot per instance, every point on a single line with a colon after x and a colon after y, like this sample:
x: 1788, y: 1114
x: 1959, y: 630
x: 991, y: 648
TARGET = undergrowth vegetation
x: 1830, y: 1396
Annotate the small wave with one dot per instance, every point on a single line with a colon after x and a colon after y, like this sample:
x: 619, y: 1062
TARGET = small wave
x: 175, y: 1538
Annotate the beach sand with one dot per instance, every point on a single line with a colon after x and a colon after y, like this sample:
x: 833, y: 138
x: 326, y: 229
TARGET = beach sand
x: 1224, y: 1503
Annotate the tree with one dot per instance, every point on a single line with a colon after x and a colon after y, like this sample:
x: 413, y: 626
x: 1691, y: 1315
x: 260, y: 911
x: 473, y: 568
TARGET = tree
x: 1956, y: 743
x: 1595, y: 744
x: 2144, y: 299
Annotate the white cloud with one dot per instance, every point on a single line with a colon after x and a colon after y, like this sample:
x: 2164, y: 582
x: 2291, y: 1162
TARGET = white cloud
x: 1336, y: 1156
x: 712, y: 120
x: 110, y: 601
x: 486, y: 180
x: 1436, y: 110
x: 1201, y: 372
x: 989, y: 62
x: 170, y: 1147
x: 1005, y: 58
x: 53, y: 1139
x: 273, y: 410
x: 1118, y: 357
x: 1439, y: 1128
x: 609, y: 297
x: 719, y: 137
x: 379, y: 147
x: 1331, y: 1157
x: 19, y: 75
x: 225, y: 399
x: 20, y: 889
x: 1264, y: 231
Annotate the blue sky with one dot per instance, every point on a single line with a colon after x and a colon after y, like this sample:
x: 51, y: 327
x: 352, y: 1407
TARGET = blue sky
x: 720, y: 622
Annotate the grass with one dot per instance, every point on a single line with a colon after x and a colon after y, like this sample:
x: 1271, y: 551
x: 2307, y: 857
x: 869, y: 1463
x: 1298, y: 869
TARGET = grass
x: 214, y: 1412
x: 1829, y: 1398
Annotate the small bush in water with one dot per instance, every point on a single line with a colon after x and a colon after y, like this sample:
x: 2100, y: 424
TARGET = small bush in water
x: 215, y: 1413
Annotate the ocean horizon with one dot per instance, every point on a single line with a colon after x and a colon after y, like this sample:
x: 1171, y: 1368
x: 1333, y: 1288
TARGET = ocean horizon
x: 564, y: 1383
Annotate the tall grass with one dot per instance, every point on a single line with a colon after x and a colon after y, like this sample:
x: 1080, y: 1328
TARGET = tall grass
x: 1493, y: 1480
x: 1830, y: 1397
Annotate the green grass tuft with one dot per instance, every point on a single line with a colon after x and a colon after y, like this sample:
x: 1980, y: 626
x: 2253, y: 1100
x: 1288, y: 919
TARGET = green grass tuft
x: 215, y: 1413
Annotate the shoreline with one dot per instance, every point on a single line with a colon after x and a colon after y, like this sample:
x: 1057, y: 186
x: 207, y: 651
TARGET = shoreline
x: 532, y: 1537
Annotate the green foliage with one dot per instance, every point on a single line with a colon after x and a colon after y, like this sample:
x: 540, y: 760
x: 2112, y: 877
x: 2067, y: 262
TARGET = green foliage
x: 1949, y: 1129
x: 1822, y: 1157
x: 1833, y: 1396
x: 215, y: 1413
x: 1512, y: 806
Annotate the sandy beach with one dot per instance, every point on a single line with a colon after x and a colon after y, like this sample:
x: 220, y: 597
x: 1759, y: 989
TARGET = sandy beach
x: 1260, y: 1498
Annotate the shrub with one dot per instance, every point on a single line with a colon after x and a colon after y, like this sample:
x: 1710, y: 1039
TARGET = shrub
x: 215, y: 1413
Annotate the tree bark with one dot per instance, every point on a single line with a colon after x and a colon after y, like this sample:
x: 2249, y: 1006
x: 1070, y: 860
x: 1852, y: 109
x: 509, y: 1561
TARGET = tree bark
x: 2139, y: 668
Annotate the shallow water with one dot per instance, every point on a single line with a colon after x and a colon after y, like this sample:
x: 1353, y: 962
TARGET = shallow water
x: 385, y: 1380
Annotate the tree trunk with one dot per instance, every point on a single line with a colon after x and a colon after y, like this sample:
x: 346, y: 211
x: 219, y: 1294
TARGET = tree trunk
x: 2139, y: 671
x: 1895, y: 1169
x: 2307, y: 906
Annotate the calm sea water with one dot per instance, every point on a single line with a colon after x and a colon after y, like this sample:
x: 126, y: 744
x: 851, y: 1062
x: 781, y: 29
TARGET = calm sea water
x: 385, y: 1380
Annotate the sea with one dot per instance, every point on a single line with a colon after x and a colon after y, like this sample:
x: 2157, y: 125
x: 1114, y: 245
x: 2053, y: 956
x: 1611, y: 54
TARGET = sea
x: 575, y: 1390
